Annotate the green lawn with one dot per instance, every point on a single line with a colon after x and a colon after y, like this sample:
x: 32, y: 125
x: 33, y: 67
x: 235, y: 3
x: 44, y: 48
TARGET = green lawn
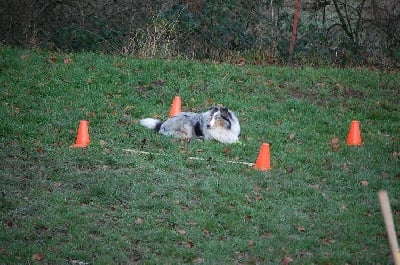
x: 106, y: 205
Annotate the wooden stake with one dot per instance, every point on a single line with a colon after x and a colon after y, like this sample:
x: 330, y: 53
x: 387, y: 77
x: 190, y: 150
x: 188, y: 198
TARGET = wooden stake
x: 388, y: 218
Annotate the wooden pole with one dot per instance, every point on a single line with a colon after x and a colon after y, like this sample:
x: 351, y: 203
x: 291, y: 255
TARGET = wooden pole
x: 388, y: 218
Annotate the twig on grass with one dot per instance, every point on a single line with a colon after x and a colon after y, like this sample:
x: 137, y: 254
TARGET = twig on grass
x: 190, y: 157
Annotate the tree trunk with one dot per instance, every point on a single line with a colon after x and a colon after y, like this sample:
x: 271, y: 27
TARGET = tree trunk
x: 294, y: 30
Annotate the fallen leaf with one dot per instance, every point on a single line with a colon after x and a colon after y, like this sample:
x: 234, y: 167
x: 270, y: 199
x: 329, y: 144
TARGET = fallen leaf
x: 268, y: 83
x: 10, y: 224
x: 289, y: 170
x: 107, y: 151
x: 190, y: 244
x: 286, y: 260
x: 181, y: 232
x: 251, y: 243
x: 139, y: 221
x: 258, y: 197
x: 118, y: 64
x: 68, y: 61
x: 198, y: 260
x: 78, y: 262
x: 159, y: 82
x: 257, y: 188
x: 52, y: 59
x: 292, y: 136
x: 369, y: 213
x: 314, y: 186
x: 227, y: 150
x: 364, y: 183
x: 266, y: 234
x: 327, y: 241
x: 335, y: 144
x: 25, y: 56
x: 301, y: 229
x: 57, y: 185
x: 38, y: 256
x: 206, y: 232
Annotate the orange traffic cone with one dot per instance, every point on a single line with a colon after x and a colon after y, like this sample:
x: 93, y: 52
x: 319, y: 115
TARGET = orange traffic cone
x: 82, y: 137
x: 263, y: 161
x: 176, y: 106
x: 354, y: 136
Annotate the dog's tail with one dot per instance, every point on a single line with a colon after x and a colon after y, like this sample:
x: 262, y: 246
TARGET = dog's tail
x: 151, y: 123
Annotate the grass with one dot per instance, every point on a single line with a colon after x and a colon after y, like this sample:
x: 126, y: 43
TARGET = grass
x: 104, y: 205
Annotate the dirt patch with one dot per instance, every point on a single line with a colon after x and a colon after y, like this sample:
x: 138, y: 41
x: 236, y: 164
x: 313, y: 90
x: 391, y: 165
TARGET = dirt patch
x: 340, y: 91
x: 321, y: 95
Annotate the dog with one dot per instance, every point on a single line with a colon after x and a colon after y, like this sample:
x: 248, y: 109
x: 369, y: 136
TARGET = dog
x: 217, y: 123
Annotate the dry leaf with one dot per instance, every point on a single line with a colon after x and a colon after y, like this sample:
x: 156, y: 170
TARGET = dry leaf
x: 68, y: 61
x: 266, y: 234
x: 181, y: 232
x: 268, y: 83
x: 159, y: 82
x: 328, y: 241
x: 369, y: 213
x: 314, y: 186
x: 25, y: 56
x: 227, y: 150
x: 198, y: 260
x: 301, y: 229
x: 38, y: 256
x: 257, y: 188
x: 286, y: 260
x: 52, y: 59
x: 107, y: 150
x: 206, y: 232
x: 57, y: 185
x: 335, y: 144
x: 10, y: 224
x: 139, y: 221
x: 364, y: 183
x: 189, y: 244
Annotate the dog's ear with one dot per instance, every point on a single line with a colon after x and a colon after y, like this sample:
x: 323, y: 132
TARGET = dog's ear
x: 224, y: 112
x: 213, y: 109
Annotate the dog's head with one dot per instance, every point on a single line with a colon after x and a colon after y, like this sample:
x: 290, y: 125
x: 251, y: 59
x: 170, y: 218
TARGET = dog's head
x: 219, y: 117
